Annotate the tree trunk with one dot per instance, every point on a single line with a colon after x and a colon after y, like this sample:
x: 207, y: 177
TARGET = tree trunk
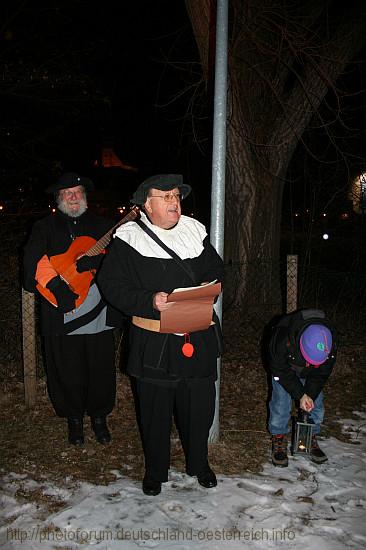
x: 253, y: 217
x: 282, y: 62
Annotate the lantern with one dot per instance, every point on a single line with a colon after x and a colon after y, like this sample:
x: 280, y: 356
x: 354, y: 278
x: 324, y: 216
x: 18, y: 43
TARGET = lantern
x: 303, y: 433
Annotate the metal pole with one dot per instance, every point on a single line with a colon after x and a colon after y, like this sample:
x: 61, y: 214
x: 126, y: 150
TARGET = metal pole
x: 218, y: 167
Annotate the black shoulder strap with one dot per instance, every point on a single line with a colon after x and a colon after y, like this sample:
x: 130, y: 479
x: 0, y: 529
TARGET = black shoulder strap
x: 171, y: 252
x: 186, y: 268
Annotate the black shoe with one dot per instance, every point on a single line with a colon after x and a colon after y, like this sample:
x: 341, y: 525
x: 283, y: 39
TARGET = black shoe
x: 207, y: 478
x: 151, y: 487
x: 76, y: 433
x: 316, y: 454
x: 279, y: 451
x: 100, y: 428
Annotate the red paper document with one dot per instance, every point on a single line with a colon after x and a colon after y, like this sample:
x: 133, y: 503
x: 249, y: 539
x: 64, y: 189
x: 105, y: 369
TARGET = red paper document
x: 191, y: 309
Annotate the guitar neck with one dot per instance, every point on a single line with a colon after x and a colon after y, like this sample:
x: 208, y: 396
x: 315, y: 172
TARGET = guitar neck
x: 103, y: 242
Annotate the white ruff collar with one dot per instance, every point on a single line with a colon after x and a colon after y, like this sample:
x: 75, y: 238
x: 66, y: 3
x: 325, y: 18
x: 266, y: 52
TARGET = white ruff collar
x: 185, y: 238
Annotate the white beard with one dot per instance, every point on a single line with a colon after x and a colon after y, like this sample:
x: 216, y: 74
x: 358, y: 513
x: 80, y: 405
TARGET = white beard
x: 65, y: 209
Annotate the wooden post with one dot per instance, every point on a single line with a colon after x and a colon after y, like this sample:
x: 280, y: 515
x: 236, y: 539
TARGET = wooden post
x: 29, y: 348
x: 292, y: 265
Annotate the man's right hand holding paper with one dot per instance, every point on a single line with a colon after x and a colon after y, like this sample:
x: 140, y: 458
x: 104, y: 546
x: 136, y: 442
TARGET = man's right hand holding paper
x: 160, y: 301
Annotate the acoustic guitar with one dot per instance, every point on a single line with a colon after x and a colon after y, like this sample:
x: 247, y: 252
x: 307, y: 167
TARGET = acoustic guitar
x: 65, y: 264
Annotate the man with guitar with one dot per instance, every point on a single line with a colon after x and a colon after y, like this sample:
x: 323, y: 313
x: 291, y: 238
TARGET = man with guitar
x: 174, y: 372
x: 60, y: 260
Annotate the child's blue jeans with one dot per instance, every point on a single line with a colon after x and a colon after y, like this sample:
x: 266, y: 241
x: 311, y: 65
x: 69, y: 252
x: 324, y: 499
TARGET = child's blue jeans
x: 280, y: 410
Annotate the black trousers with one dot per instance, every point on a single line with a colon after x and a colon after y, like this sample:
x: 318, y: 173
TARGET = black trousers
x: 81, y: 374
x: 192, y: 402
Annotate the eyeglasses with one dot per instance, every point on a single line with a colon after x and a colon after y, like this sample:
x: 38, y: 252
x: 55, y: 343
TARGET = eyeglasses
x: 69, y: 194
x: 168, y: 197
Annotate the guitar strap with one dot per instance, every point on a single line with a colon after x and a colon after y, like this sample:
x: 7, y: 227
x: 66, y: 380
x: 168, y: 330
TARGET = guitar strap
x: 189, y: 272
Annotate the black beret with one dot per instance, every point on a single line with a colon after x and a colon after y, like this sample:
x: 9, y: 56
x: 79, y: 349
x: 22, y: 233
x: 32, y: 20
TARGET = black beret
x: 163, y: 182
x: 70, y: 179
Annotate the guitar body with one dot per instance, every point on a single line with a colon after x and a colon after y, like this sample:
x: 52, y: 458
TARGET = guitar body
x: 65, y: 265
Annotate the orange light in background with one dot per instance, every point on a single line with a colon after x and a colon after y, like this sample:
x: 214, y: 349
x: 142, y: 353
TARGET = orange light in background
x: 53, y: 210
x: 1, y: 207
x: 111, y: 160
x: 345, y: 216
x: 296, y: 214
x: 324, y: 215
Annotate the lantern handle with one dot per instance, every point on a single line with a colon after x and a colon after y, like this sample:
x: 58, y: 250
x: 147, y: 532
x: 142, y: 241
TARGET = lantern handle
x: 302, y: 416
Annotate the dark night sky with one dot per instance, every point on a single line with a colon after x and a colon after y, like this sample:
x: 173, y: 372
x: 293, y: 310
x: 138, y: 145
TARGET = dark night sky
x: 116, y: 62
x: 131, y: 69
x: 117, y: 67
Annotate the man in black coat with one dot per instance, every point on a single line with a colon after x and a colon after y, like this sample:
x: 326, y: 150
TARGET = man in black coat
x: 302, y: 353
x: 78, y: 337
x: 137, y: 277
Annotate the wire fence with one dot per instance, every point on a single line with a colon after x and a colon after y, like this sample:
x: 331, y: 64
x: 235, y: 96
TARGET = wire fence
x: 341, y: 295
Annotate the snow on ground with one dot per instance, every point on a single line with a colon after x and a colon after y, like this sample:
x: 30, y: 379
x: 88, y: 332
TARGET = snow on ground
x: 303, y: 507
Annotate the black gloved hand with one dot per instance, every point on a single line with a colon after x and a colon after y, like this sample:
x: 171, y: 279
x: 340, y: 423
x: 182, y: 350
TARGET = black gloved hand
x: 86, y: 263
x: 64, y: 296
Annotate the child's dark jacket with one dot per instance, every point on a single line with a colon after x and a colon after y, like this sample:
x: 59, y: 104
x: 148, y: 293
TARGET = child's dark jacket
x: 285, y: 360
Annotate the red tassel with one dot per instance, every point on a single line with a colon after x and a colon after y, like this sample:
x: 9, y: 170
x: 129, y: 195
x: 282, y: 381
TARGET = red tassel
x: 187, y: 348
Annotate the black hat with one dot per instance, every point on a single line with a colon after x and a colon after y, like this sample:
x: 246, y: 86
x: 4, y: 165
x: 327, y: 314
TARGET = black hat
x: 70, y: 179
x: 163, y: 182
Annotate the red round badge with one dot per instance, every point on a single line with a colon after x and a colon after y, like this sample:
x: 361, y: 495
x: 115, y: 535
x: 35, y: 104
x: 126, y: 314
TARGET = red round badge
x: 187, y: 348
